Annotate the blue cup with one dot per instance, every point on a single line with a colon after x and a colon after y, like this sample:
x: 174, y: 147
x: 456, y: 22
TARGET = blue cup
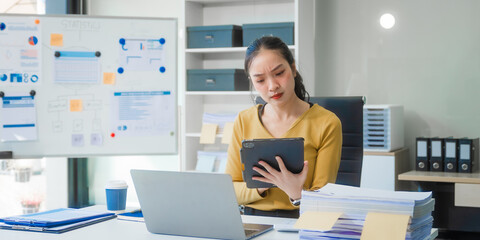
x: 116, y: 192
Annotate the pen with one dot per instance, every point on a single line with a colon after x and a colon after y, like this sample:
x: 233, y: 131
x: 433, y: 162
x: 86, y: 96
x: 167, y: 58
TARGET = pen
x: 135, y: 211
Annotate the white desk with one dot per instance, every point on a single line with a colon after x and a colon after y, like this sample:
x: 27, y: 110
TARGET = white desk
x: 119, y: 230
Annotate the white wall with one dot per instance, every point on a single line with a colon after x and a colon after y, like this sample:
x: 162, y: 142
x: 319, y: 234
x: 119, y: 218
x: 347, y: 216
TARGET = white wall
x: 56, y: 171
x: 428, y: 62
x: 102, y: 169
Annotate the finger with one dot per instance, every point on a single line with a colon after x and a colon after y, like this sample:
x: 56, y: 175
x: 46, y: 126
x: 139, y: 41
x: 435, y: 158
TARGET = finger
x: 304, y: 171
x: 269, y: 168
x: 261, y: 179
x: 262, y: 172
x: 281, y: 165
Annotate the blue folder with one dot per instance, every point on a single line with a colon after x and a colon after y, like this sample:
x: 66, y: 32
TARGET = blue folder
x: 52, y: 218
x: 55, y: 229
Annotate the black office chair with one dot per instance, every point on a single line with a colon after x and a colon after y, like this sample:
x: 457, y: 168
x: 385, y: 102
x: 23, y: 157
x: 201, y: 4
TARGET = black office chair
x: 350, y: 112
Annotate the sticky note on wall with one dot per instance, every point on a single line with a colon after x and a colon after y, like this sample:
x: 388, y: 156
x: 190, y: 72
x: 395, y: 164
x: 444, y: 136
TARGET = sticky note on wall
x: 208, y: 133
x: 76, y: 105
x: 380, y: 226
x: 109, y: 78
x: 56, y: 39
x: 227, y: 133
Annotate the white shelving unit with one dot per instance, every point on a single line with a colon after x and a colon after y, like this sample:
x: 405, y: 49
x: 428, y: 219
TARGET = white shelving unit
x: 238, y: 12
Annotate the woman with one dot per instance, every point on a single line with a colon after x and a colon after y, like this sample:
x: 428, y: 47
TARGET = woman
x: 287, y: 113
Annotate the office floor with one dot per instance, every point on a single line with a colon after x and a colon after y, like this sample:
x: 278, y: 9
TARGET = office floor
x: 456, y: 235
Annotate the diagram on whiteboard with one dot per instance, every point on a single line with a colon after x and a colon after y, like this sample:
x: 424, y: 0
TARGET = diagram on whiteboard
x: 142, y: 55
x: 20, y: 51
x: 82, y: 112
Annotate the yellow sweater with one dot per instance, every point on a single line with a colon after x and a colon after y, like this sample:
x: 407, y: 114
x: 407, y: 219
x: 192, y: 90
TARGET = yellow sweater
x: 322, y: 132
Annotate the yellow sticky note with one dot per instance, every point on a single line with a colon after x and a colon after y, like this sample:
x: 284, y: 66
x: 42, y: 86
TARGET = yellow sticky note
x: 108, y: 78
x: 208, y: 133
x: 317, y: 221
x: 385, y: 226
x: 56, y: 39
x: 76, y: 105
x: 227, y: 133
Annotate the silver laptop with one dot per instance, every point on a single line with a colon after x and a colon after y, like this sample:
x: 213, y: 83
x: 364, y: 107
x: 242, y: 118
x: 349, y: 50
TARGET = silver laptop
x: 192, y: 204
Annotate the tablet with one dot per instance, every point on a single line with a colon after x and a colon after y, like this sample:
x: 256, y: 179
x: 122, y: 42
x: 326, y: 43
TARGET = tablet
x: 254, y: 150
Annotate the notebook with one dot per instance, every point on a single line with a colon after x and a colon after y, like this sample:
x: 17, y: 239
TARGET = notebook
x: 192, y: 204
x: 135, y: 216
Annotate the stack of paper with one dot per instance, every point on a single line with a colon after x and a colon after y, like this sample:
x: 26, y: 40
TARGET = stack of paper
x: 356, y: 205
x: 211, y: 161
x: 219, y: 119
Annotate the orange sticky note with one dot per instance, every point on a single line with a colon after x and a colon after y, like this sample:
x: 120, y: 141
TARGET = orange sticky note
x: 209, y: 131
x: 56, y: 39
x: 108, y: 78
x: 227, y: 133
x: 76, y: 105
x: 317, y: 221
x: 380, y: 226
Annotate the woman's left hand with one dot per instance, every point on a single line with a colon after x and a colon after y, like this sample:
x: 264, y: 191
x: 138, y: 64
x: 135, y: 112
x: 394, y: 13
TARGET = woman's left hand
x: 290, y: 183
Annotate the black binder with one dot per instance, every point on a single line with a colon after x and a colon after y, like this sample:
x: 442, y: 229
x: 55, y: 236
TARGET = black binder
x: 468, y: 155
x: 422, y: 154
x: 451, y: 155
x: 437, y: 154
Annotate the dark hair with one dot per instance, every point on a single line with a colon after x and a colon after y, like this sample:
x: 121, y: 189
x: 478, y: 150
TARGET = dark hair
x: 275, y: 43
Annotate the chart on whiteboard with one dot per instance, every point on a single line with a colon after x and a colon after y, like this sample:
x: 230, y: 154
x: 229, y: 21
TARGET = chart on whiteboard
x: 142, y: 55
x: 20, y: 51
x: 143, y: 113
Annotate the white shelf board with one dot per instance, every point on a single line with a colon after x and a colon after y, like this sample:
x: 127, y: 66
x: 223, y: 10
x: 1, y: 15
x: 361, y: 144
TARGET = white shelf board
x: 239, y: 93
x: 223, y: 49
x: 207, y: 2
x: 197, y: 135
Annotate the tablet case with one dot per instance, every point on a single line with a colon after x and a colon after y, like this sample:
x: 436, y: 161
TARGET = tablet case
x: 254, y: 150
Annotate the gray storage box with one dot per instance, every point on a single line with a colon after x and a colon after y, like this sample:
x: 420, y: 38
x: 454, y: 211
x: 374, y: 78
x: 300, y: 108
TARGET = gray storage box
x: 214, y: 36
x: 282, y: 30
x: 217, y: 80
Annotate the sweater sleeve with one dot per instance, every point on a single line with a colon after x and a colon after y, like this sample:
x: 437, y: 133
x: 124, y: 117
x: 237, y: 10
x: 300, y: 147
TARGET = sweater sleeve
x: 234, y: 167
x: 328, y: 156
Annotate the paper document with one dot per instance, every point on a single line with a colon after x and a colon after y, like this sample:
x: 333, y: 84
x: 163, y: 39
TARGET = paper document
x: 205, y: 163
x: 20, y: 51
x: 368, y: 213
x: 76, y: 67
x: 18, y: 118
x: 143, y: 113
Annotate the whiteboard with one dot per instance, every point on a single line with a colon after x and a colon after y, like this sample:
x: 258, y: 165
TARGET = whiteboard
x: 78, y: 86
